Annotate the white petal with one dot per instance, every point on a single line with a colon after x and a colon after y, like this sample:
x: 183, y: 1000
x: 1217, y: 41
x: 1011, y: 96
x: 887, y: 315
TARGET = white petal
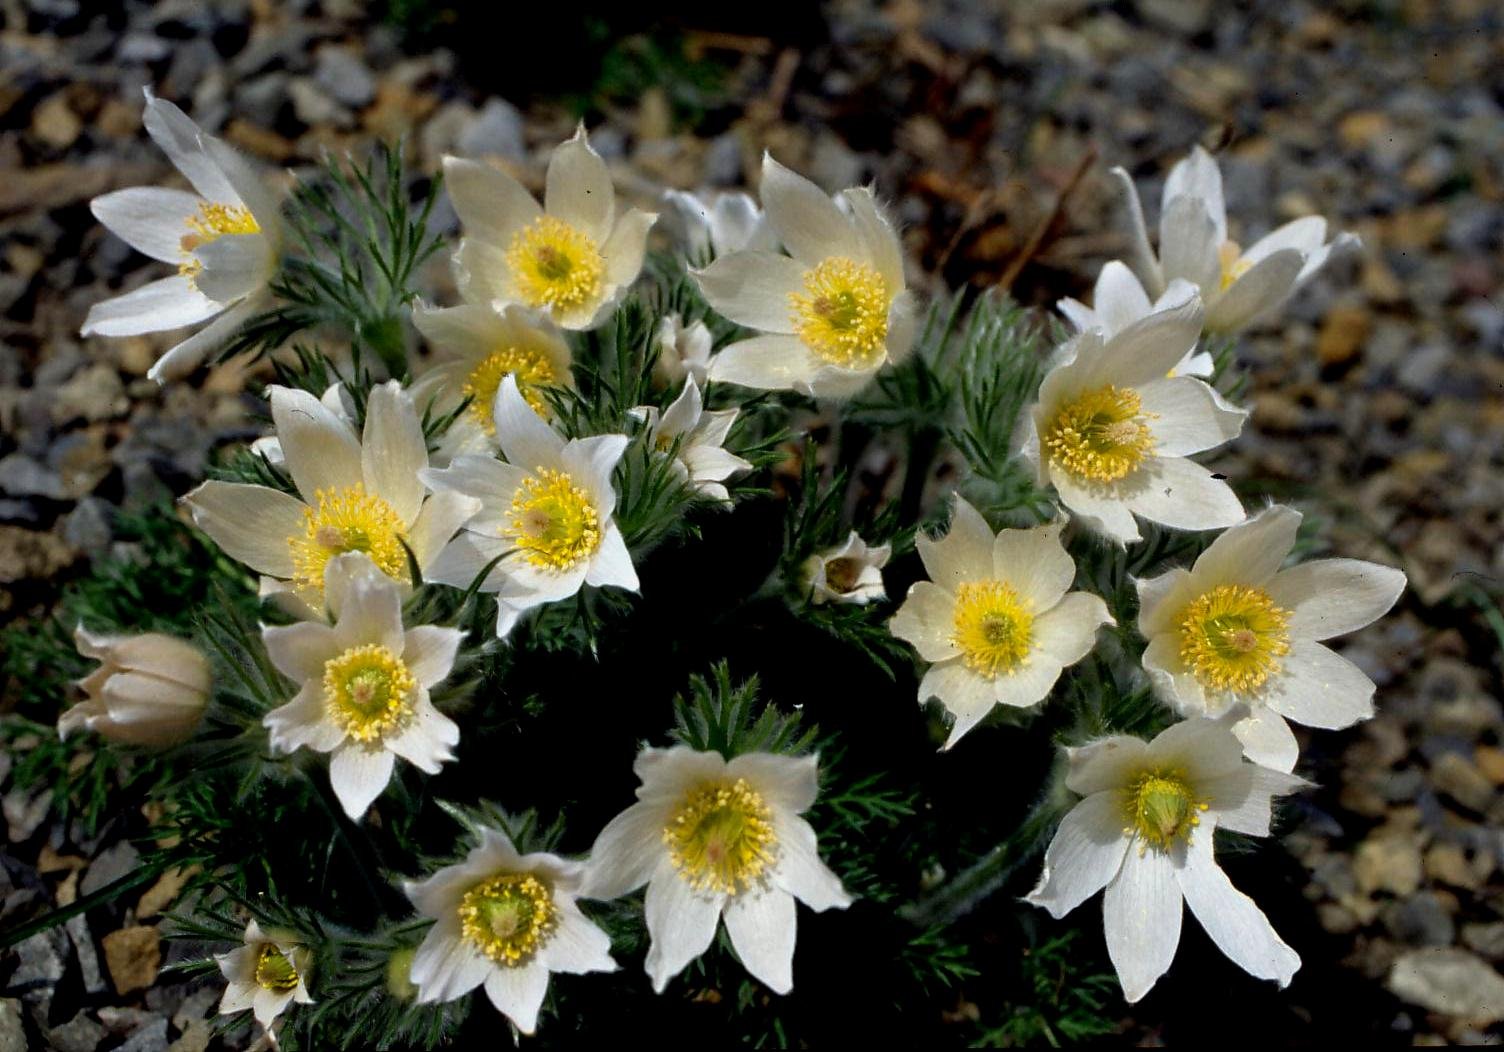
x: 1319, y: 688
x: 234, y: 266
x: 481, y: 273
x: 491, y: 204
x: 1175, y: 684
x: 1267, y: 739
x: 1256, y: 292
x: 1235, y: 923
x: 1035, y: 563
x: 926, y: 621
x: 877, y: 235
x: 1188, y: 417
x: 442, y: 515
x: 681, y: 923
x: 1067, y: 631
x: 1161, y: 599
x: 359, y: 775
x: 321, y: 451
x: 299, y: 651
x: 446, y: 966
x: 625, y: 853
x: 393, y: 451
x: 1331, y: 597
x: 578, y: 188
x: 1103, y: 764
x: 1188, y: 244
x: 753, y: 289
x: 150, y: 219
x: 1306, y: 234
x: 626, y: 246
x: 592, y: 461
x: 1142, y: 255
x: 805, y: 219
x: 577, y: 945
x: 786, y: 782
x: 1183, y: 494
x: 965, y: 695
x: 428, y: 740
x: 1119, y: 299
x: 238, y: 996
x: 170, y: 303
x: 429, y: 651
x: 1098, y: 507
x: 1080, y: 316
x: 518, y: 993
x: 964, y: 554
x: 801, y: 872
x: 1085, y: 854
x: 1203, y: 748
x: 251, y: 523
x: 180, y: 139
x: 1249, y: 553
x: 763, y: 925
x: 462, y: 559
x: 187, y: 356
x: 301, y: 724
x: 1141, y: 915
x: 612, y: 563
x: 250, y: 189
x: 269, y: 1004
x: 1197, y: 175
x: 1241, y: 797
x: 1143, y: 351
x: 1027, y: 687
x: 526, y: 438
x: 768, y: 363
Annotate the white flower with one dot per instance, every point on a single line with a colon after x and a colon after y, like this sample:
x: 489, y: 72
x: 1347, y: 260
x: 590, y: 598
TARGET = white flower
x: 711, y: 839
x: 1112, y: 431
x: 697, y: 441
x: 1119, y: 300
x: 363, y: 685
x: 1237, y: 286
x: 475, y: 347
x: 1235, y: 630
x: 265, y: 975
x: 996, y: 619
x: 547, y: 512
x: 149, y: 690
x: 1144, y: 831
x: 336, y: 398
x: 683, y: 352
x: 571, y: 259
x: 224, y: 238
x: 832, y: 313
x: 355, y: 493
x: 716, y: 224
x: 851, y: 572
x: 505, y: 920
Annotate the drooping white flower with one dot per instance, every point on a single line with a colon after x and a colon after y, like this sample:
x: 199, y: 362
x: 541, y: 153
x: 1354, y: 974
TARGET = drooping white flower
x: 355, y: 493
x: 1237, y: 286
x: 832, y: 313
x: 716, y: 224
x: 224, y: 237
x: 505, y: 920
x: 547, y: 511
x: 363, y: 685
x: 1236, y: 630
x: 1119, y: 300
x: 1112, y: 431
x: 683, y: 352
x: 149, y: 689
x: 712, y: 839
x: 697, y: 441
x: 1144, y: 831
x: 266, y: 975
x: 571, y: 259
x: 475, y: 347
x: 851, y: 572
x: 996, y: 619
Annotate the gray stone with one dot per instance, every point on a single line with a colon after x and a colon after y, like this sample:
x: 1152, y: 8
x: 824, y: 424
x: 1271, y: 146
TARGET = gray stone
x: 24, y: 811
x: 12, y: 1030
x: 112, y: 864
x: 1486, y: 939
x: 260, y: 99
x: 21, y: 476
x: 196, y: 1006
x: 341, y: 73
x: 42, y: 962
x: 1450, y: 981
x: 496, y: 131
x: 150, y: 1038
x: 1420, y: 920
x: 723, y: 160
x: 142, y: 48
x: 87, y: 527
x: 88, y: 960
x: 315, y: 107
x: 79, y: 1034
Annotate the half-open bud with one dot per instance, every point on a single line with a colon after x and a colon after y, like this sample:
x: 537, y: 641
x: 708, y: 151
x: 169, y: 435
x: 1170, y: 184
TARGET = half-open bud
x: 150, y: 689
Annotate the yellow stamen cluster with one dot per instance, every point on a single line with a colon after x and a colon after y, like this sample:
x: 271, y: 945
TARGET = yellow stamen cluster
x: 1234, y: 266
x: 721, y: 837
x: 1101, y: 435
x: 1160, y: 806
x: 556, y: 266
x: 508, y: 917
x: 274, y: 970
x: 842, y: 314
x: 554, y: 522
x: 993, y: 628
x: 1233, y: 636
x: 529, y: 365
x: 368, y: 692
x: 346, y: 520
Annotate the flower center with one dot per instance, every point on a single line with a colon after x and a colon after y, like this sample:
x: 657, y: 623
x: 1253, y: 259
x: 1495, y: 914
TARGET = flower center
x: 554, y: 522
x: 208, y: 224
x: 346, y: 520
x: 554, y: 265
x: 273, y: 969
x: 1100, y: 436
x: 1160, y: 807
x: 842, y: 314
x: 1234, y: 266
x: 508, y: 917
x: 368, y: 692
x: 532, y: 370
x: 721, y: 838
x: 1233, y: 636
x: 993, y: 628
x: 842, y: 575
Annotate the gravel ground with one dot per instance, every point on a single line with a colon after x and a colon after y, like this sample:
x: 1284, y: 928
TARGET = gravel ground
x: 1379, y: 406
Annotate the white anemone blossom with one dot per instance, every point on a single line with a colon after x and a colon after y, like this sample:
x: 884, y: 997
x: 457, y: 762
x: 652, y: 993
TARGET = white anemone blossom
x: 696, y: 439
x: 355, y: 493
x: 1238, y: 286
x: 1118, y: 300
x: 363, y: 685
x: 712, y: 839
x: 572, y: 258
x: 832, y: 312
x: 683, y: 352
x: 713, y: 224
x: 997, y: 619
x: 224, y: 237
x: 474, y: 348
x: 1143, y: 830
x: 851, y: 572
x: 507, y: 921
x: 1112, y: 432
x: 1236, y: 630
x: 266, y: 974
x: 545, y: 524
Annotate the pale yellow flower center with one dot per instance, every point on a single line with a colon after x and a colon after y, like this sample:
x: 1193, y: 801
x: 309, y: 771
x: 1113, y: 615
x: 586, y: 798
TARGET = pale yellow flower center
x: 1233, y: 636
x: 721, y: 837
x: 1234, y: 266
x: 508, y: 917
x: 555, y: 265
x: 368, y: 692
x: 553, y: 521
x: 1101, y: 435
x: 843, y: 574
x: 274, y: 971
x: 993, y: 628
x: 1160, y: 807
x: 529, y: 365
x: 842, y: 314
x: 346, y: 520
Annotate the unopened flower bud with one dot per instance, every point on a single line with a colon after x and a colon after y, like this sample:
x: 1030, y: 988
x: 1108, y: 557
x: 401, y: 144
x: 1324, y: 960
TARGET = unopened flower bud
x: 150, y: 689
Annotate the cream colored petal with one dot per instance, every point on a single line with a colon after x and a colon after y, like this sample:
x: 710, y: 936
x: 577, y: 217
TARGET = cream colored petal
x: 1251, y: 552
x: 625, y: 248
x: 251, y: 523
x: 1331, y: 597
x: 578, y: 188
x: 182, y: 141
x: 964, y: 554
x: 804, y: 217
x: 1034, y: 562
x: 158, y: 306
x: 393, y: 450
x: 1180, y: 493
x: 1256, y: 292
x: 491, y: 204
x: 1196, y: 175
x: 769, y: 363
x: 753, y: 289
x: 1188, y: 244
x: 1186, y: 416
x: 151, y: 219
x: 878, y: 237
x: 926, y: 621
x: 321, y: 451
